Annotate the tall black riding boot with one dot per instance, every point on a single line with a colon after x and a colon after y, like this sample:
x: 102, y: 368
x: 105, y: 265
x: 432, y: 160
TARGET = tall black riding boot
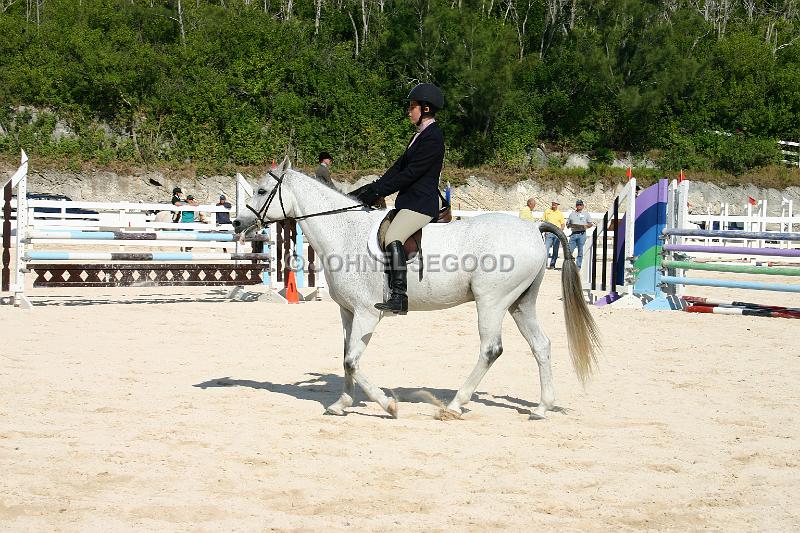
x: 398, y: 302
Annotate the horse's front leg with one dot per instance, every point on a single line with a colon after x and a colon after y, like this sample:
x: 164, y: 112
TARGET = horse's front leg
x: 348, y: 390
x: 362, y: 326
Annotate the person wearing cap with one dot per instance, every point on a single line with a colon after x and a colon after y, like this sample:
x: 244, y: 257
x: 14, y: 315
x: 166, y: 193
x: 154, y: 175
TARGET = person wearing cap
x: 555, y: 217
x: 223, y: 217
x: 578, y: 221
x: 323, y: 171
x: 415, y: 179
x: 526, y: 213
x: 187, y: 217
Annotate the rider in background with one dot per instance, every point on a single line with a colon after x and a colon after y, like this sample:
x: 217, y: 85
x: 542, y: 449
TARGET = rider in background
x: 415, y: 177
x: 323, y: 171
x: 177, y: 200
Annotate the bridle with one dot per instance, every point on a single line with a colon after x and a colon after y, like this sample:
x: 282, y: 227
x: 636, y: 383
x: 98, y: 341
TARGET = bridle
x: 276, y: 191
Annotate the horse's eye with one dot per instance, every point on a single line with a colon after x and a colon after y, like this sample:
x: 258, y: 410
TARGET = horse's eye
x: 262, y: 192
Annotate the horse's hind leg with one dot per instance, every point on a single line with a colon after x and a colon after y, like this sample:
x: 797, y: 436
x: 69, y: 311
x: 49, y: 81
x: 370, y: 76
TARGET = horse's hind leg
x: 524, y: 313
x: 490, y: 321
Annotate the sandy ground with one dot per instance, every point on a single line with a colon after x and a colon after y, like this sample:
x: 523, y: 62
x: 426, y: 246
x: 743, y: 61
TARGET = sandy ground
x: 173, y: 409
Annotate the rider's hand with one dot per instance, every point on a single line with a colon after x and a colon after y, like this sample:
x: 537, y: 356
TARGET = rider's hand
x: 366, y: 194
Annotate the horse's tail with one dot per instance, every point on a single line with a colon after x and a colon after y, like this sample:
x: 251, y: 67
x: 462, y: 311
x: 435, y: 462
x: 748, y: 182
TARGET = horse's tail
x: 582, y: 334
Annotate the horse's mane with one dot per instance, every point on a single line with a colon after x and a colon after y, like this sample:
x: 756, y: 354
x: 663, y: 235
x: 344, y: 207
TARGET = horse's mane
x: 322, y: 186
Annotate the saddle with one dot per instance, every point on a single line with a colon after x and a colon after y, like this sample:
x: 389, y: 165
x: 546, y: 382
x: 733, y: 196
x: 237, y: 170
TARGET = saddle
x: 413, y: 245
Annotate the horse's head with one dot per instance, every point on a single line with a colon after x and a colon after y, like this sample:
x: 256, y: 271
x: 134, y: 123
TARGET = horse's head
x: 271, y: 201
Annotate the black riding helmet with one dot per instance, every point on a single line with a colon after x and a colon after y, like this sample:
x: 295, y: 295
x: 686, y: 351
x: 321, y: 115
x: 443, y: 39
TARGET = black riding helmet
x: 427, y: 93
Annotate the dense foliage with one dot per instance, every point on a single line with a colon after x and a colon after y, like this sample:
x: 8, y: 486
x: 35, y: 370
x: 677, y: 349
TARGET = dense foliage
x: 699, y: 84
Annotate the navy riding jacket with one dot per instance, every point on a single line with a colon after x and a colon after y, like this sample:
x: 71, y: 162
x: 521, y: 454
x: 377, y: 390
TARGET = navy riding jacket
x: 415, y: 176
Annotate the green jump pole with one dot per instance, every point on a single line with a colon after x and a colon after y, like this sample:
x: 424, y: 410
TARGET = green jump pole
x: 740, y: 269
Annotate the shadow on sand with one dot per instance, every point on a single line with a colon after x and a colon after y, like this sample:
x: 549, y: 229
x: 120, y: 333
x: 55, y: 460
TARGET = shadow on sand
x: 326, y: 388
x: 209, y: 296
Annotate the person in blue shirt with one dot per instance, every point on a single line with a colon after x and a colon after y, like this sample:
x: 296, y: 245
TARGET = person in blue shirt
x: 223, y: 217
x: 188, y: 216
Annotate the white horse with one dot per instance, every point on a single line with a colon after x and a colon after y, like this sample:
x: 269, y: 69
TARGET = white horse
x: 164, y: 216
x: 478, y: 248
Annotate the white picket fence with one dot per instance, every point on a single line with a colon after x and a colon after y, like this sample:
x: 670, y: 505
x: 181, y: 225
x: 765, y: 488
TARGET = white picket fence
x: 790, y: 151
x: 119, y: 215
x: 755, y: 220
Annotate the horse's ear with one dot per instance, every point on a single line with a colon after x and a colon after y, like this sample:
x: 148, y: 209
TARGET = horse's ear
x: 286, y: 164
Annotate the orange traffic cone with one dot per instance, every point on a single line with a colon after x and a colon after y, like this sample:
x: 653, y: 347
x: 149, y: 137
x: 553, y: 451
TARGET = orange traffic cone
x: 292, y: 296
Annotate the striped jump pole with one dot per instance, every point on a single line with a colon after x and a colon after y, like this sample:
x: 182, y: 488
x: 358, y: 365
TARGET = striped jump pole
x: 739, y: 269
x: 142, y: 236
x: 732, y: 234
x: 741, y: 311
x: 732, y: 250
x: 730, y: 284
x: 143, y: 256
x: 708, y: 302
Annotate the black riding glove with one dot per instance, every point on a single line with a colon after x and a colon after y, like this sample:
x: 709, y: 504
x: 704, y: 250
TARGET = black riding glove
x: 366, y: 194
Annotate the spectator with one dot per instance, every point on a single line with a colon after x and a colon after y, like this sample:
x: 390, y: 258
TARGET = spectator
x: 187, y: 217
x: 578, y: 221
x: 526, y: 213
x: 223, y: 217
x: 323, y: 172
x: 556, y: 217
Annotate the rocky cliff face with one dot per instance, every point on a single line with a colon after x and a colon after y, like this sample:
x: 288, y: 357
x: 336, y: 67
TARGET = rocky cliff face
x: 483, y: 194
x: 106, y: 186
x: 478, y: 193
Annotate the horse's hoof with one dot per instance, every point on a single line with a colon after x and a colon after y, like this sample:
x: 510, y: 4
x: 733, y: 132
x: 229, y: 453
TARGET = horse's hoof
x: 447, y: 414
x: 535, y: 416
x: 391, y: 408
x: 334, y: 410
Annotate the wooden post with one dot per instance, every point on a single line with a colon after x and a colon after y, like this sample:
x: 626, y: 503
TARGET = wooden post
x: 6, y: 272
x: 593, y: 266
x: 288, y: 238
x: 278, y: 252
x: 614, y: 260
x: 604, y: 265
x: 311, y: 267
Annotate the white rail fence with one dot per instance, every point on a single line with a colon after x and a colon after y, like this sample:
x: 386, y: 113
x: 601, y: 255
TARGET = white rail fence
x: 790, y: 151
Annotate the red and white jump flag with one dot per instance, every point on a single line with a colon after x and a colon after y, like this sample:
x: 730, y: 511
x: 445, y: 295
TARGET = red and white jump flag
x: 681, y: 176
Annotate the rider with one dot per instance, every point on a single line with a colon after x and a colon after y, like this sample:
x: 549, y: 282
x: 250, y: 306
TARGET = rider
x: 415, y: 177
